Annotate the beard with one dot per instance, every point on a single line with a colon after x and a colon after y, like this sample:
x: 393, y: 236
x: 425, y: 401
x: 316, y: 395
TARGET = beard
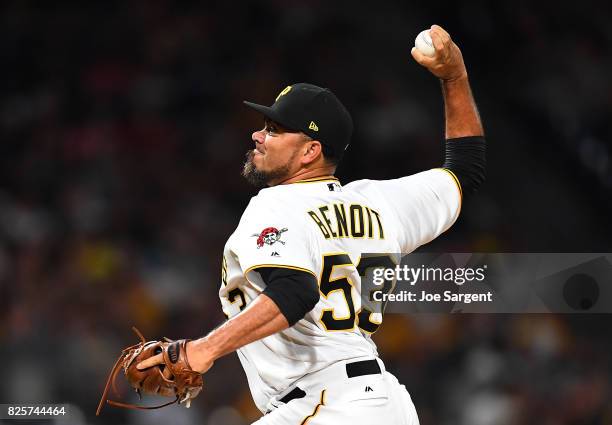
x: 259, y: 178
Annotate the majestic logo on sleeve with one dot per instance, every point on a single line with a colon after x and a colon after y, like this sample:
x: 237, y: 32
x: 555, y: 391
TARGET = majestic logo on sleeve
x: 269, y: 236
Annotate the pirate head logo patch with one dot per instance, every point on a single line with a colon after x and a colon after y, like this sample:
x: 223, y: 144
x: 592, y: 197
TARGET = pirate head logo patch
x: 269, y: 236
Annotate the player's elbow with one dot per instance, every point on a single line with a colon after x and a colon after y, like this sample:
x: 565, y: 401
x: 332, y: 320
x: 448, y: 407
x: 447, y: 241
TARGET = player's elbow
x: 466, y: 158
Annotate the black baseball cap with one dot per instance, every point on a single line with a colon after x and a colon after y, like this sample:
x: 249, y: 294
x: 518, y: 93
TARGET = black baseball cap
x: 313, y: 110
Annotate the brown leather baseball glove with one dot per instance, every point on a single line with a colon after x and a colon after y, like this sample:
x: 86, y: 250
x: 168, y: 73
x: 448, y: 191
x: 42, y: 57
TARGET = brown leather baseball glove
x: 173, y: 378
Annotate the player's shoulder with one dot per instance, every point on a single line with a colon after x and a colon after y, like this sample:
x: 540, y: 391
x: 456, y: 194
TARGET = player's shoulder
x: 272, y: 204
x: 267, y: 213
x: 412, y: 179
x: 438, y: 180
x: 276, y: 197
x: 361, y: 184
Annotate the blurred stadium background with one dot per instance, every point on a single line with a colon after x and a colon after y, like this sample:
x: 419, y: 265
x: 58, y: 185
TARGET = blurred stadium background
x: 122, y: 140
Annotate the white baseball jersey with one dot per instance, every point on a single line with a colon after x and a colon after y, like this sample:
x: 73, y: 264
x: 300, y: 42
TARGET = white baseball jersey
x: 323, y: 228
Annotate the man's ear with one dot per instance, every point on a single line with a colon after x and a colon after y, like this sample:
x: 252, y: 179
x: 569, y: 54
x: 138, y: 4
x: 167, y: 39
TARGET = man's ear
x: 312, y: 151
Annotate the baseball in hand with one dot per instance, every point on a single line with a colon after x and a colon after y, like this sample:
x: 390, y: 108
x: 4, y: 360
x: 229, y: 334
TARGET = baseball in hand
x: 424, y: 44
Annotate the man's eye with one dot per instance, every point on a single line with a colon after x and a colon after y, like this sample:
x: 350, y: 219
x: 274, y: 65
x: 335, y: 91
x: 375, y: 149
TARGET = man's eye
x: 271, y: 129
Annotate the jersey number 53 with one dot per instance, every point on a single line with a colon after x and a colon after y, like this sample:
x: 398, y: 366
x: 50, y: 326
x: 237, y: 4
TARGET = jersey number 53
x: 343, y: 283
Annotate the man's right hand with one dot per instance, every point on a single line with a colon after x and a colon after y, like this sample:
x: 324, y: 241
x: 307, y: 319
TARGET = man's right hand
x: 447, y: 63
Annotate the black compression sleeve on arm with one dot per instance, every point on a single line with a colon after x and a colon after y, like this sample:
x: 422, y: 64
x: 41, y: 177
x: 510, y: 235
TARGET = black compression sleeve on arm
x: 466, y: 158
x: 294, y: 292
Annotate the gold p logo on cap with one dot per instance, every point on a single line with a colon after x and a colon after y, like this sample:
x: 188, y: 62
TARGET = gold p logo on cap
x: 282, y: 93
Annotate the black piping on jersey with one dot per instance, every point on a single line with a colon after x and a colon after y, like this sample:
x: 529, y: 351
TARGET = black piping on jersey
x: 294, y: 292
x: 465, y: 158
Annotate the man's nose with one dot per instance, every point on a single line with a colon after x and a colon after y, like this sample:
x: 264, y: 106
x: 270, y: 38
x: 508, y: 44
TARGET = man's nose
x: 258, y: 136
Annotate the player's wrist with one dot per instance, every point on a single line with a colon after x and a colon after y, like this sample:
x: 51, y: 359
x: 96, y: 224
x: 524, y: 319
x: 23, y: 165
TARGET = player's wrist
x: 199, y: 355
x: 457, y: 77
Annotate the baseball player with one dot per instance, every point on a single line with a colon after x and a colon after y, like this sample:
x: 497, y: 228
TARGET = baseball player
x: 291, y: 272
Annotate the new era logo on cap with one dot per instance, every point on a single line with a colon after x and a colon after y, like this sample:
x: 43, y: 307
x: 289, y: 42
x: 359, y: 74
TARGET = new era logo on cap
x: 313, y: 126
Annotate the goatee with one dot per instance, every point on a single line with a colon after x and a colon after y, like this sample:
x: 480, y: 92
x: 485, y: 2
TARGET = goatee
x: 260, y: 178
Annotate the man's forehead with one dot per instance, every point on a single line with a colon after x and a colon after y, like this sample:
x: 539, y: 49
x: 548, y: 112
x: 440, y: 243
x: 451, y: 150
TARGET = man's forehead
x: 268, y: 122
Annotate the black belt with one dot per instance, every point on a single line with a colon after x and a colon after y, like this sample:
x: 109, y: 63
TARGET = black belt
x: 365, y: 367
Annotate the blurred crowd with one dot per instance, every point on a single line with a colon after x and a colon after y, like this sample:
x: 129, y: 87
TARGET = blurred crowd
x: 123, y: 136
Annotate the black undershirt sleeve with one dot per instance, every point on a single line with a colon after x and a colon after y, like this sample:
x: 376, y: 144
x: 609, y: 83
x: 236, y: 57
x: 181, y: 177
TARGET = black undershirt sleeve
x: 466, y: 158
x: 294, y: 292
